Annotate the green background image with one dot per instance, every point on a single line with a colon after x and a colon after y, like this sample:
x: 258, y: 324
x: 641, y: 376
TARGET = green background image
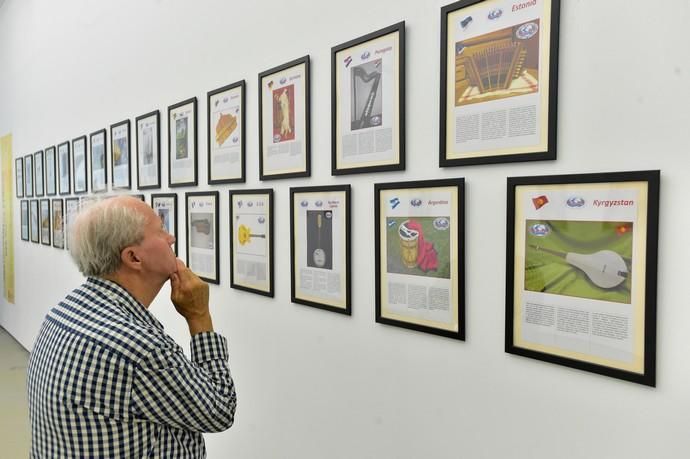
x: 440, y: 239
x: 548, y: 273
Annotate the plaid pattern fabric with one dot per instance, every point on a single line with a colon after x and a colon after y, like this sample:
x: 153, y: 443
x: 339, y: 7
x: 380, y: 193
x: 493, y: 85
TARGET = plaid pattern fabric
x: 105, y: 381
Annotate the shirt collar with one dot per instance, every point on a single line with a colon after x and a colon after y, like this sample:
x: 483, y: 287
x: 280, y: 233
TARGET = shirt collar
x: 124, y: 299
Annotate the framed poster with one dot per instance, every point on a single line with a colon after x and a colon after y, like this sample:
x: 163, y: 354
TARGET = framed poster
x: 499, y: 81
x: 72, y: 207
x: 19, y: 177
x: 182, y: 154
x: 63, y: 168
x: 148, y: 150
x: 99, y: 162
x: 38, y: 179
x: 368, y: 103
x: 58, y: 223
x: 226, y: 134
x: 29, y: 176
x: 420, y: 255
x: 320, y: 247
x: 33, y: 220
x: 581, y: 271
x: 51, y: 189
x: 202, y: 234
x: 165, y: 205
x: 45, y: 221
x: 24, y: 218
x: 284, y: 137
x: 251, y: 241
x: 79, y: 165
x: 120, y: 152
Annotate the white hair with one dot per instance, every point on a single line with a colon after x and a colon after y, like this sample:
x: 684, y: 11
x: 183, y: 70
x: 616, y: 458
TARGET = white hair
x: 99, y: 234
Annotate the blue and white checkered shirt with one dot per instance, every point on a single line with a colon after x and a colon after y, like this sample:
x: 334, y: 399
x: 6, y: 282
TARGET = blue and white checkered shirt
x: 105, y: 381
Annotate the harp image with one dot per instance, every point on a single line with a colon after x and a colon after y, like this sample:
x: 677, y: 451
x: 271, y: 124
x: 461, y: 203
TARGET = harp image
x: 366, y: 95
x: 497, y: 65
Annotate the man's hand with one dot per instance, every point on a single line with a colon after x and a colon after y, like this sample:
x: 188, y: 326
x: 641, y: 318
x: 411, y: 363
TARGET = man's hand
x: 189, y: 294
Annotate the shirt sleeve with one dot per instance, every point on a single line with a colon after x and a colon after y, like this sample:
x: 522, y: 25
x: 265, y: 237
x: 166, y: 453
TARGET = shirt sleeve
x: 197, y: 395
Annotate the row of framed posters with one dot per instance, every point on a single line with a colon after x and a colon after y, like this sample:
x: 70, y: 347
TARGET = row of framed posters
x: 580, y: 264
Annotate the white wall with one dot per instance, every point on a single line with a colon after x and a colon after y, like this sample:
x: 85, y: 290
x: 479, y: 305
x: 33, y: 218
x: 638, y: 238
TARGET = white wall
x: 314, y: 384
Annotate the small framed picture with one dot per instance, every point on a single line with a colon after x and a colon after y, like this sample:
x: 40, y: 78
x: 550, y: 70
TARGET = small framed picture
x: 24, y: 219
x: 63, y: 163
x: 420, y: 253
x: 99, y: 162
x: 165, y: 206
x: 499, y: 82
x: 202, y: 234
x: 38, y: 176
x: 29, y: 176
x: 226, y: 134
x: 148, y: 150
x: 58, y: 223
x: 284, y: 137
x: 79, y: 165
x: 51, y: 189
x: 581, y: 271
x: 45, y: 221
x: 182, y: 142
x: 368, y: 103
x: 121, y: 158
x: 34, y: 227
x: 320, y: 247
x: 72, y: 207
x: 19, y: 177
x: 251, y: 241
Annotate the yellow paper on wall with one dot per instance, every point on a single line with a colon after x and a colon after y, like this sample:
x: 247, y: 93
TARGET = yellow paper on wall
x: 6, y: 161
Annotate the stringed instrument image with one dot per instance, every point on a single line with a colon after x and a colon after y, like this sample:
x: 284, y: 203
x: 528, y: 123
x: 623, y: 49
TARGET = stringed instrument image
x: 244, y: 235
x: 605, y: 268
x: 367, y: 118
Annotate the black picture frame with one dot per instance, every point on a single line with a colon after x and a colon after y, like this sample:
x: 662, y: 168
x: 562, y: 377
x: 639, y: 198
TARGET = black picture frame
x: 178, y: 148
x: 516, y: 128
x: 39, y: 183
x: 162, y: 201
x: 98, y: 150
x: 24, y: 218
x: 80, y: 169
x: 266, y: 82
x: 368, y: 54
x: 58, y: 223
x: 576, y: 245
x: 19, y: 177
x: 50, y: 171
x: 148, y: 132
x: 34, y: 218
x: 121, y: 145
x: 215, y: 102
x: 427, y: 216
x: 63, y: 168
x: 208, y: 200
x: 262, y: 282
x: 45, y: 221
x: 320, y: 200
x: 29, y: 176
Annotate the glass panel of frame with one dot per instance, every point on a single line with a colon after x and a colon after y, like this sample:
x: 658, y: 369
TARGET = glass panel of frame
x: 226, y: 134
x: 251, y: 241
x: 202, y: 234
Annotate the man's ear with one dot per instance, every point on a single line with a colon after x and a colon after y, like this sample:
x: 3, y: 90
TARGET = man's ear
x: 130, y: 258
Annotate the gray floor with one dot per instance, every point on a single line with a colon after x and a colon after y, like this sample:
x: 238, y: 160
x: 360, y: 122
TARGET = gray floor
x: 14, y: 414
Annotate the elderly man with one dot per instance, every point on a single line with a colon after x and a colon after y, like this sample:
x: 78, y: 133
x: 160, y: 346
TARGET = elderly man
x: 104, y: 379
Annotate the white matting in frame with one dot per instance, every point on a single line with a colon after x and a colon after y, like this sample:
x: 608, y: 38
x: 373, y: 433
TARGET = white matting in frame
x: 202, y: 234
